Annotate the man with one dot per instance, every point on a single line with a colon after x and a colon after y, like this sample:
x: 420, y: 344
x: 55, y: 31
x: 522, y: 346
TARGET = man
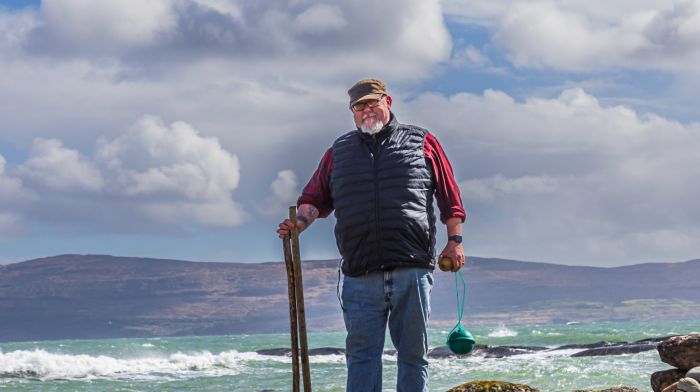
x: 381, y: 179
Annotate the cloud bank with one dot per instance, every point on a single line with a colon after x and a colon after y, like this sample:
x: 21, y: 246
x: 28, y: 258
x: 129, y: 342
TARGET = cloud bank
x: 257, y: 92
x: 569, y: 178
x: 151, y: 175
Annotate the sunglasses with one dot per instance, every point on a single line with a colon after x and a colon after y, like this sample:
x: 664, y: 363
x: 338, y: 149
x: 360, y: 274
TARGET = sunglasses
x: 360, y: 106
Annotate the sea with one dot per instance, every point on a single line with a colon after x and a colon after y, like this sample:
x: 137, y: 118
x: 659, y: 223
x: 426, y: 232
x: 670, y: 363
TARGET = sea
x: 230, y: 363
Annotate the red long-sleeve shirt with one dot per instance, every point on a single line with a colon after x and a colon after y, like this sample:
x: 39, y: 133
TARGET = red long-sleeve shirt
x: 317, y: 191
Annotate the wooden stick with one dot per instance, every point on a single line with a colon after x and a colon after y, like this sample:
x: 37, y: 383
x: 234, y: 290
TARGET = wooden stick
x: 292, y: 312
x: 299, y: 286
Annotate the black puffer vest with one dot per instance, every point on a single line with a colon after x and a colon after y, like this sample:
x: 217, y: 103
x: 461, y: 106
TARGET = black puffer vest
x: 382, y: 191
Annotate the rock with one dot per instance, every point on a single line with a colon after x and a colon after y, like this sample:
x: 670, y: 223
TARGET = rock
x: 616, y: 350
x: 688, y: 384
x: 662, y: 379
x: 586, y: 345
x: 492, y: 386
x: 281, y: 352
x: 327, y: 351
x: 694, y: 373
x: 507, y: 351
x: 682, y: 352
x: 671, y: 388
x: 615, y: 389
x: 485, y: 351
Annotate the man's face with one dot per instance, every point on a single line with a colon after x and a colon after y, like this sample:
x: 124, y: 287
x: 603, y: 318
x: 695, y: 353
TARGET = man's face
x: 373, y: 112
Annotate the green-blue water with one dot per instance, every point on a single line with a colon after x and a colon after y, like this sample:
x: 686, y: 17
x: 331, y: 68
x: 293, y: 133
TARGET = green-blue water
x: 229, y: 363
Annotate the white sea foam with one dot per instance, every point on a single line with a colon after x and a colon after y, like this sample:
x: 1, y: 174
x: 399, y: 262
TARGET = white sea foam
x: 502, y: 332
x: 44, y: 365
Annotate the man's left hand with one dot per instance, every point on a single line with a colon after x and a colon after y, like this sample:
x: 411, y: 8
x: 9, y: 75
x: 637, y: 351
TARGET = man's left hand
x: 455, y: 252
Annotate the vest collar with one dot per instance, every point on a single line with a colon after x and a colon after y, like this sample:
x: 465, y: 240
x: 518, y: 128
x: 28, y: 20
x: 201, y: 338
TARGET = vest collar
x: 384, y: 132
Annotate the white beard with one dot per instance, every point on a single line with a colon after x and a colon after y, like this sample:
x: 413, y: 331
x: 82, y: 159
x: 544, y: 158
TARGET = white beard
x: 378, y: 125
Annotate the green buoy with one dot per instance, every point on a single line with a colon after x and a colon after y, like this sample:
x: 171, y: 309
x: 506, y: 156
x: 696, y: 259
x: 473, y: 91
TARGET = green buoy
x: 459, y: 340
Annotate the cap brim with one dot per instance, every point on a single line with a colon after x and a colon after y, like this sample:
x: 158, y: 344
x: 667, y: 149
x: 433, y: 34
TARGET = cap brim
x: 367, y: 97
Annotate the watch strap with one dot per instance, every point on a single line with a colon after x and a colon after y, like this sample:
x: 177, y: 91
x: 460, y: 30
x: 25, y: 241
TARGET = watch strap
x: 455, y: 238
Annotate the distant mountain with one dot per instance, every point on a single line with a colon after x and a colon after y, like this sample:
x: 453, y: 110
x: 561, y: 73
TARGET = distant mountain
x: 95, y: 296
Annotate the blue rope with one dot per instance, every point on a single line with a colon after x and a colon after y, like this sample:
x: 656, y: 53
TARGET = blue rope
x: 460, y: 308
x: 460, y: 305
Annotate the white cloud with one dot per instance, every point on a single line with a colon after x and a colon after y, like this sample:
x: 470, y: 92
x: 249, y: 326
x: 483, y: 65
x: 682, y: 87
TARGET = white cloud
x: 12, y: 197
x: 15, y: 27
x: 591, y: 36
x: 94, y: 25
x: 172, y: 173
x: 224, y: 7
x: 52, y: 166
x: 488, y: 189
x: 284, y: 191
x: 320, y: 19
x: 10, y: 188
x: 470, y: 57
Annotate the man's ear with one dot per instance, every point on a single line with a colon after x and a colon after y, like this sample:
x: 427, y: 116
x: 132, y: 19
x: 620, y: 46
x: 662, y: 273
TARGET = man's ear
x: 388, y: 101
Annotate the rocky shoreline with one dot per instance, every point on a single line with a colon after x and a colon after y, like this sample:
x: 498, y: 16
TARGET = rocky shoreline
x: 681, y: 351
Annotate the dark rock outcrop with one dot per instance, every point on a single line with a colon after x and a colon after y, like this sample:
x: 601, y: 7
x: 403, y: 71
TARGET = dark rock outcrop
x: 682, y: 352
x: 492, y: 386
x: 587, y: 345
x: 616, y: 350
x: 280, y: 352
x: 485, y: 351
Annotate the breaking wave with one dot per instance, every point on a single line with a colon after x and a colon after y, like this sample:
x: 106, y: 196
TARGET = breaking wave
x: 43, y: 365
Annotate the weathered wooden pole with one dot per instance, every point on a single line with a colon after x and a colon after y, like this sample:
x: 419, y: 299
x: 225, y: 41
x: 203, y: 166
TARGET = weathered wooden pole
x: 292, y: 312
x: 299, y: 288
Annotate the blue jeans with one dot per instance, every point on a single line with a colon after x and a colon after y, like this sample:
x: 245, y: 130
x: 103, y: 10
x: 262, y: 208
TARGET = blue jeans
x: 402, y: 297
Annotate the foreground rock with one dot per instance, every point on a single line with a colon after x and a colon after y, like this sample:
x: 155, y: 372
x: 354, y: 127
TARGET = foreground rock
x: 682, y: 352
x: 662, y: 379
x: 492, y: 386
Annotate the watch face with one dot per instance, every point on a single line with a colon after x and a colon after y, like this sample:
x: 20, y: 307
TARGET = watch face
x: 456, y: 238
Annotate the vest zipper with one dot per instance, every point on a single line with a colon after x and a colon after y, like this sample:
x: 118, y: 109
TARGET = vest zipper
x: 375, y: 153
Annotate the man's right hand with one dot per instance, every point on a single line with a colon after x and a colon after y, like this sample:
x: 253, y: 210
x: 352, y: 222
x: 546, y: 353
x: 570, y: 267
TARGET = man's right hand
x: 286, y: 226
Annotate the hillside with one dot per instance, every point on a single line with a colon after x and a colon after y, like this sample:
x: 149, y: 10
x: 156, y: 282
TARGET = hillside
x: 95, y: 296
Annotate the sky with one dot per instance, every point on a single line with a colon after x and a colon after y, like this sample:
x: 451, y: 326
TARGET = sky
x: 185, y: 128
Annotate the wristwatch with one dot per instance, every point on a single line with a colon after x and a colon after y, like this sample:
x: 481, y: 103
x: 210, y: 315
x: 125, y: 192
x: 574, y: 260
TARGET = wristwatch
x: 455, y: 238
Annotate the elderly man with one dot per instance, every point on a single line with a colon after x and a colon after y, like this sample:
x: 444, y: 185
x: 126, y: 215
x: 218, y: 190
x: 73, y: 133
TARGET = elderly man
x: 381, y: 179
